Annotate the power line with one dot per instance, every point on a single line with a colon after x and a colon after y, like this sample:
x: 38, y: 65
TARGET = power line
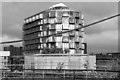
x: 11, y: 41
x: 68, y: 30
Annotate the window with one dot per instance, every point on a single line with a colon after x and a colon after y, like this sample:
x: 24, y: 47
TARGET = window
x: 49, y: 45
x: 30, y: 19
x: 77, y: 33
x: 71, y: 20
x: 49, y: 26
x: 40, y: 51
x: 72, y: 33
x: 59, y: 44
x: 38, y: 46
x: 50, y: 39
x: 65, y: 26
x: 71, y: 13
x: 58, y: 26
x: 58, y: 39
x: 52, y: 14
x: 71, y: 39
x: 45, y: 21
x: 77, y: 14
x: 58, y: 20
x: 77, y: 26
x: 65, y: 45
x: 65, y: 34
x: 82, y: 46
x: 77, y: 21
x: 72, y: 45
x: 74, y: 14
x: 40, y: 39
x: 41, y: 15
x: 33, y: 18
x: 37, y: 17
x: 71, y: 27
x: 44, y: 44
x: 41, y: 33
x: 65, y: 13
x: 53, y: 26
x: 58, y: 31
x: 52, y: 20
x: 27, y: 20
x: 41, y: 45
x: 77, y: 51
x: 49, y: 33
x: 77, y: 45
x: 45, y: 33
x: 82, y: 29
x: 59, y: 13
x: 41, y: 21
x: 65, y: 39
x: 65, y: 20
x: 77, y: 39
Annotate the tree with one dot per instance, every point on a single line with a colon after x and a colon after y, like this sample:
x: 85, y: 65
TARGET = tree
x: 67, y: 51
x: 54, y: 50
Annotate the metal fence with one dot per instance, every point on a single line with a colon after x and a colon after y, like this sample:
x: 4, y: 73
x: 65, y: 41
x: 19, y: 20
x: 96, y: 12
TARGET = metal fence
x: 17, y: 71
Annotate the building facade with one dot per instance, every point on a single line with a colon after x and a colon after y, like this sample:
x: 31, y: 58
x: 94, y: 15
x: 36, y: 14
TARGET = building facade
x: 3, y: 62
x: 60, y: 61
x: 16, y: 58
x: 58, y: 18
x: 14, y: 51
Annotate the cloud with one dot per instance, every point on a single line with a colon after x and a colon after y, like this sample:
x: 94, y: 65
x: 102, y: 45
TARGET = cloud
x: 97, y: 36
x: 15, y: 12
x: 6, y: 38
x: 14, y: 31
x: 96, y: 9
x: 104, y: 42
x: 111, y: 24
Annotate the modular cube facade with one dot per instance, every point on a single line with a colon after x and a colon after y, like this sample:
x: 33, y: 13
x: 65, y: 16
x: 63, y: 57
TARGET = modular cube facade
x: 56, y: 19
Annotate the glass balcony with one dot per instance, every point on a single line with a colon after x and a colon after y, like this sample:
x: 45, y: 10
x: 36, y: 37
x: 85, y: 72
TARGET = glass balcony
x: 72, y: 45
x: 59, y: 13
x: 51, y: 39
x: 58, y: 20
x: 65, y: 39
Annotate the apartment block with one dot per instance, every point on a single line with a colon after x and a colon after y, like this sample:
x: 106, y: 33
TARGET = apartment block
x: 14, y: 51
x: 3, y: 63
x: 38, y: 28
x: 16, y: 58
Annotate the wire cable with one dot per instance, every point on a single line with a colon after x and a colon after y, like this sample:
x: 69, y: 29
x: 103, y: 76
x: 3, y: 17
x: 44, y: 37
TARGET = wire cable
x: 68, y: 30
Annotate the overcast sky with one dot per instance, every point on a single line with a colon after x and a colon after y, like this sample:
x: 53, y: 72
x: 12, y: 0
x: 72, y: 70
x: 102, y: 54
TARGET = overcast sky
x: 102, y: 37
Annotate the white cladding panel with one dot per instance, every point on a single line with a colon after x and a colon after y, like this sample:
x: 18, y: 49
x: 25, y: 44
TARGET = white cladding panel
x: 4, y: 53
x: 64, y: 62
x: 29, y: 62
